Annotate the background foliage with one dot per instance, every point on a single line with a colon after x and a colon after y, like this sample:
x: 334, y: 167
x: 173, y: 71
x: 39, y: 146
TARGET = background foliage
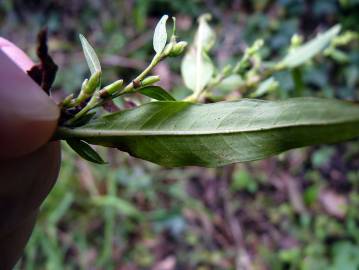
x: 295, y: 211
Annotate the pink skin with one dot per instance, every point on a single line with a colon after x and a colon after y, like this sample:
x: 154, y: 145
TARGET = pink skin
x: 29, y: 163
x: 16, y: 54
x: 28, y: 117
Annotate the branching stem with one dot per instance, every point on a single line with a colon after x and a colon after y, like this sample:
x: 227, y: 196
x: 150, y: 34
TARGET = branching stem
x: 97, y: 100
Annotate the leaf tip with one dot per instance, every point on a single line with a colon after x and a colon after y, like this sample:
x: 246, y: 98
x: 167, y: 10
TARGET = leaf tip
x: 160, y: 35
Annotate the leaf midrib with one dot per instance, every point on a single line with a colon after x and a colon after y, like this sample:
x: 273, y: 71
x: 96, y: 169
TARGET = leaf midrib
x: 87, y: 133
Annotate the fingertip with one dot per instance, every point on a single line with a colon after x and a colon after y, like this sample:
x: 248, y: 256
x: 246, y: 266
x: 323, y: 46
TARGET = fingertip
x: 28, y: 117
x: 16, y: 54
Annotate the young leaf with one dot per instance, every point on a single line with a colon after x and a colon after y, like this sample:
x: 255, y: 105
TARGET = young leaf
x: 227, y: 85
x: 205, y: 37
x: 85, y: 151
x: 156, y: 92
x: 182, y: 133
x: 197, y: 70
x: 160, y: 35
x: 305, y: 52
x: 124, y: 207
x: 90, y: 55
x: 265, y: 87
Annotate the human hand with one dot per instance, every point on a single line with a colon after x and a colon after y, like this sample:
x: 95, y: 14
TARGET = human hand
x: 29, y: 163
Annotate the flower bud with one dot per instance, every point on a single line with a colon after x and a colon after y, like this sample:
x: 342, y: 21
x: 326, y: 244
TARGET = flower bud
x: 255, y: 47
x: 168, y: 49
x: 227, y: 70
x: 92, y: 83
x: 150, y: 80
x: 111, y: 88
x: 177, y: 49
x: 67, y: 100
x: 296, y: 41
x: 84, y: 83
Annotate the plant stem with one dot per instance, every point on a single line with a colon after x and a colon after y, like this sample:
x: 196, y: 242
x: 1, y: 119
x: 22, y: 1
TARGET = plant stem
x: 215, y: 81
x: 109, y: 226
x: 243, y: 88
x: 297, y: 77
x: 97, y: 100
x: 131, y: 86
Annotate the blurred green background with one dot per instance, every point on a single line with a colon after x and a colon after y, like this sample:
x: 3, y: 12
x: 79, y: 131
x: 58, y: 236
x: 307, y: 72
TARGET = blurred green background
x: 295, y: 211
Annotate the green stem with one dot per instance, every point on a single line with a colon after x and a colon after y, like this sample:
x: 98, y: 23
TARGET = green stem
x: 64, y: 133
x: 213, y: 83
x: 109, y: 226
x: 97, y: 100
x: 131, y: 86
x: 297, y: 77
x: 246, y: 85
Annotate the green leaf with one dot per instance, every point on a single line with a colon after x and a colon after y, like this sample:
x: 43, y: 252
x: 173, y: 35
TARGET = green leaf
x: 196, y: 71
x: 83, y: 120
x: 90, y: 55
x: 123, y: 206
x: 230, y: 83
x: 265, y: 87
x: 85, y: 151
x: 160, y: 35
x: 307, y: 51
x: 197, y: 68
x: 183, y: 133
x: 156, y: 92
x: 205, y: 37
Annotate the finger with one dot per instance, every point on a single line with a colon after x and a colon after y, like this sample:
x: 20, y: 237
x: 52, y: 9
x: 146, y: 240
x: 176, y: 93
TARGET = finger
x: 16, y: 54
x: 13, y: 243
x: 28, y: 117
x: 25, y: 182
